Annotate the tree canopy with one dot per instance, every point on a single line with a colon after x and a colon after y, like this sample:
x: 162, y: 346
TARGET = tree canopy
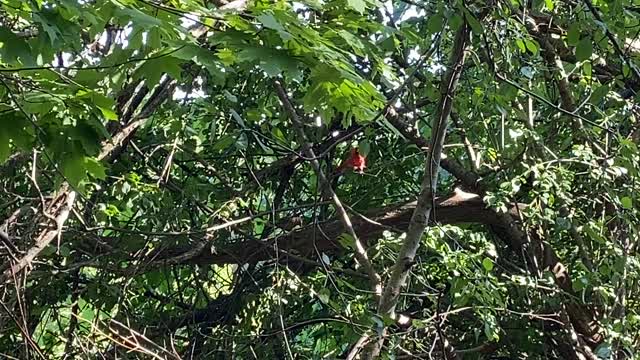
x: 170, y: 184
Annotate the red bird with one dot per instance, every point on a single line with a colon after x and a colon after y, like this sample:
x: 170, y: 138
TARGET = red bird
x: 354, y: 161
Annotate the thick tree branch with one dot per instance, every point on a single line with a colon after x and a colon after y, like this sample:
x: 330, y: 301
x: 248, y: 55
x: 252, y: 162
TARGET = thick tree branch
x: 456, y: 209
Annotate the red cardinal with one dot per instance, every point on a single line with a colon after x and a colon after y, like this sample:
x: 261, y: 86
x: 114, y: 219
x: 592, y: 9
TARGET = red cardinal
x: 355, y: 161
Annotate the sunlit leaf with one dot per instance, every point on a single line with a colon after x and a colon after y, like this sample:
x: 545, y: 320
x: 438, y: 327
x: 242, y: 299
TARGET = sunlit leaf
x: 626, y: 202
x: 487, y: 264
x: 357, y: 5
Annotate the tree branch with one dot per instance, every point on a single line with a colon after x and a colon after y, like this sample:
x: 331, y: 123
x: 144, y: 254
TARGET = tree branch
x: 360, y: 253
x: 60, y: 206
x: 426, y: 198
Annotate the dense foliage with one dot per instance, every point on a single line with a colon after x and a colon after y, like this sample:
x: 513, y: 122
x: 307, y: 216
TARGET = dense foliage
x: 167, y: 169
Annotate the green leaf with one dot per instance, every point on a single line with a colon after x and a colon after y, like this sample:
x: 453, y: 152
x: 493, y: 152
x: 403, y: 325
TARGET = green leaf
x: 278, y: 134
x: 324, y: 295
x: 154, y: 39
x: 357, y: 5
x: 88, y: 78
x: 455, y: 21
x: 189, y: 52
x: 563, y: 223
x: 139, y: 18
x: 101, y: 100
x: 87, y: 136
x: 594, y: 235
x: 270, y: 22
x: 531, y: 45
x: 584, y: 49
x: 491, y: 327
x: 65, y: 251
x: 237, y: 118
x: 476, y: 26
x: 108, y: 114
x: 35, y: 103
x: 242, y: 142
x: 521, y: 45
x: 549, y: 4
x: 153, y: 69
x: 598, y: 94
x: 379, y: 322
x: 347, y: 241
x: 573, y: 34
x: 14, y: 50
x: 224, y: 143
x: 587, y: 70
x: 5, y: 148
x: 353, y: 41
x: 103, y: 103
x: 49, y: 250
x: 46, y: 19
x: 389, y: 44
x: 230, y: 96
x: 271, y: 61
x: 18, y: 129
x: 435, y: 23
x: 487, y: 264
x: 364, y: 148
x: 213, y: 62
x: 73, y: 168
x: 626, y: 202
x: 95, y: 168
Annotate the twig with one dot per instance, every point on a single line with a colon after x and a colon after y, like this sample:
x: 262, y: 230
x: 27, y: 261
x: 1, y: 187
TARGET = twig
x: 473, y: 158
x: 24, y: 330
x: 550, y: 104
x: 64, y: 201
x: 166, y: 170
x: 80, y: 68
x: 43, y: 203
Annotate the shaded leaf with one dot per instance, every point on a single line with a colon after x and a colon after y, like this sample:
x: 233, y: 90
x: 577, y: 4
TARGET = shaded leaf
x: 573, y: 34
x: 95, y: 168
x: 584, y: 49
x: 73, y: 168
x: 13, y: 49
